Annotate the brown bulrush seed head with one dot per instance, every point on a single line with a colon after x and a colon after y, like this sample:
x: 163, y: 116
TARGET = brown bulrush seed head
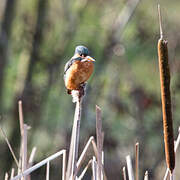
x: 166, y: 103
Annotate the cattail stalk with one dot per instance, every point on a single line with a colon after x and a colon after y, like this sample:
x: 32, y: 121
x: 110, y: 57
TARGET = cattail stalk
x: 166, y: 99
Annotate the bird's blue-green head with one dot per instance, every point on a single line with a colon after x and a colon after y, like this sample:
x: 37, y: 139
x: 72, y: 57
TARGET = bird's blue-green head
x: 82, y: 50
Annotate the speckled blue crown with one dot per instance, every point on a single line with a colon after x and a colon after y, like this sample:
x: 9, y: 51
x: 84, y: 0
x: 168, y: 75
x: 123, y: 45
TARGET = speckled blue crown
x: 82, y: 50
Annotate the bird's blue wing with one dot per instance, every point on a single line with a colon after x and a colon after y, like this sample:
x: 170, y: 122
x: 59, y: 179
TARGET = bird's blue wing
x: 70, y: 62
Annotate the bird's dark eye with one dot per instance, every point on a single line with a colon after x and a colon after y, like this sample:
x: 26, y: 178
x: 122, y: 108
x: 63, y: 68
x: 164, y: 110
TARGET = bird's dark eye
x: 80, y: 54
x: 85, y: 55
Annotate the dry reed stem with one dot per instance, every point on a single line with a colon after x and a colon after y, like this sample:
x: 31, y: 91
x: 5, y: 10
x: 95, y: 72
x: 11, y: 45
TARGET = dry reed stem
x: 64, y: 166
x: 47, y: 171
x: 38, y: 165
x: 146, y: 175
x: 124, y: 173
x: 21, y: 119
x: 137, y: 160
x: 12, y: 173
x: 31, y: 158
x: 21, y: 123
x: 129, y: 167
x: 99, y: 141
x: 175, y: 150
x: 85, y: 169
x: 171, y: 176
x: 83, y: 155
x: 73, y: 152
x: 94, y: 168
x: 24, y: 150
x: 6, y: 176
x: 166, y: 100
x: 9, y: 146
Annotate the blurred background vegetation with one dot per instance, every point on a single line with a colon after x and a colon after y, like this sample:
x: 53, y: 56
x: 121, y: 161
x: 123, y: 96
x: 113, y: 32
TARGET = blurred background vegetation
x: 37, y: 37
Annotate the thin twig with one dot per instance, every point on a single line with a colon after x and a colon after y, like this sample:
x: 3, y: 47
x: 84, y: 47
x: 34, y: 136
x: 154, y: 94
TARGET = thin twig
x: 38, y: 165
x: 129, y: 167
x: 9, y: 145
x: 137, y: 160
x: 160, y: 22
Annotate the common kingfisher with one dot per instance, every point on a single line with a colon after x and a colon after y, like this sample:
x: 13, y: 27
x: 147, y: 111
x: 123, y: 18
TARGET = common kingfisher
x: 78, y: 69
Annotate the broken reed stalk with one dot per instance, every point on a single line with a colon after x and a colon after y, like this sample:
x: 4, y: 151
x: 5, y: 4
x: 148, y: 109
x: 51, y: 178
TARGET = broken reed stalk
x: 12, y: 173
x: 99, y: 136
x: 31, y: 159
x: 47, y: 171
x: 146, y: 175
x: 129, y: 167
x: 73, y: 152
x: 24, y: 150
x: 38, y: 165
x: 94, y: 168
x: 85, y: 169
x: 6, y: 176
x: 166, y: 99
x: 124, y: 173
x: 175, y: 150
x: 137, y: 160
x: 64, y: 166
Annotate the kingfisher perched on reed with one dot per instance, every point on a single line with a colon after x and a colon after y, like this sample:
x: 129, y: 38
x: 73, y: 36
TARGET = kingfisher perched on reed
x: 78, y: 70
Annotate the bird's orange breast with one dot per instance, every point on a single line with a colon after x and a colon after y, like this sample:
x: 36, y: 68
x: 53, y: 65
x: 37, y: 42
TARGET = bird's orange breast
x: 78, y: 73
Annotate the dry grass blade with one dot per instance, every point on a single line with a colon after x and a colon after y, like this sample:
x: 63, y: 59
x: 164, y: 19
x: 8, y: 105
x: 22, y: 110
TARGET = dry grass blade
x: 166, y: 101
x: 38, y: 165
x: 84, y: 170
x: 175, y: 150
x: 137, y: 160
x: 47, y: 171
x: 146, y: 175
x: 99, y: 140
x: 129, y: 167
x: 9, y: 145
x: 124, y: 173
